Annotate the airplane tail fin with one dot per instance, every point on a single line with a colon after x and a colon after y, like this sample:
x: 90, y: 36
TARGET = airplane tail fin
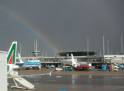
x: 11, y: 57
x: 73, y: 60
x: 20, y: 58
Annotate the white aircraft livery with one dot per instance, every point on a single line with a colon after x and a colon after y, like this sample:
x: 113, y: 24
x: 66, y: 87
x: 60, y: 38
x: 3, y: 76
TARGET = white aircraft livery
x: 11, y: 60
x: 18, y: 80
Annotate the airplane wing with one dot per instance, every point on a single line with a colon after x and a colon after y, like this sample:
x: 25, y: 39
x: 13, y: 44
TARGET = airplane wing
x: 31, y: 75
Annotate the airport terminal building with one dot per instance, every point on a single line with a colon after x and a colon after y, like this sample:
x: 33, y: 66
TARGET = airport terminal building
x: 83, y: 56
x: 119, y: 59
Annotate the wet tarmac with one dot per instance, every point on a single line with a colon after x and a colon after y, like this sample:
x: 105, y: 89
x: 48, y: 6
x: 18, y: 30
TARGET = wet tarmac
x: 77, y: 82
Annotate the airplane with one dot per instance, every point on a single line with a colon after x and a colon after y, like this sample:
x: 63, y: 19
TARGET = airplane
x: 79, y: 65
x: 27, y: 64
x: 12, y: 73
x: 11, y: 58
x: 32, y: 64
x: 75, y: 64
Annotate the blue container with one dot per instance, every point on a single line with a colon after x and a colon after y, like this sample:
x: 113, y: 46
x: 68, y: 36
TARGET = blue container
x: 104, y: 67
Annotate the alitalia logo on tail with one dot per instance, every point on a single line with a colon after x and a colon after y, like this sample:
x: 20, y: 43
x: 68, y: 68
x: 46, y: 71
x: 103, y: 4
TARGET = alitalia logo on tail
x: 11, y: 58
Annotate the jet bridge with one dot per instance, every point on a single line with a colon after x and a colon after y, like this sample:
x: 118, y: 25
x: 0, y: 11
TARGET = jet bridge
x: 3, y: 71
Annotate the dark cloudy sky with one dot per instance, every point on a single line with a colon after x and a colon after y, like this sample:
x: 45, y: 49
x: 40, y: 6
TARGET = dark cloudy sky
x: 61, y: 25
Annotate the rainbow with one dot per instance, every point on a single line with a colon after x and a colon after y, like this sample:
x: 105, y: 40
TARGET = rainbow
x: 35, y: 31
x: 31, y: 28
